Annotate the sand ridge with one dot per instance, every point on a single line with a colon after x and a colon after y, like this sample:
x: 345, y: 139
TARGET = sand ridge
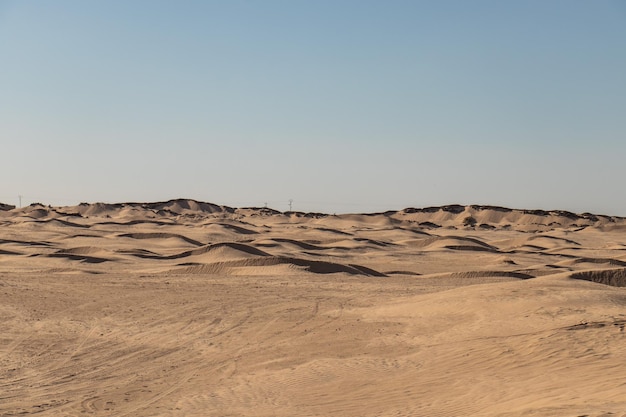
x: 189, y: 308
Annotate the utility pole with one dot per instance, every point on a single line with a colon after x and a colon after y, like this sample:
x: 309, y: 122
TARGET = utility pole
x: 20, y: 198
x: 290, y: 204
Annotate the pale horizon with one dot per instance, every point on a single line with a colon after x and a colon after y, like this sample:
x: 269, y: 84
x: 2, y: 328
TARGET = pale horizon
x: 347, y: 107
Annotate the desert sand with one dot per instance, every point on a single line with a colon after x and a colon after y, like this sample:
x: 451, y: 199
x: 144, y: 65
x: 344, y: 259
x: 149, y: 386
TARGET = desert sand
x: 185, y: 308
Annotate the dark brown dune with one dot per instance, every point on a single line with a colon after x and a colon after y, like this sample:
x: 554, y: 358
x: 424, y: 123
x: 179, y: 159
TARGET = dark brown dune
x: 613, y: 277
x: 6, y: 207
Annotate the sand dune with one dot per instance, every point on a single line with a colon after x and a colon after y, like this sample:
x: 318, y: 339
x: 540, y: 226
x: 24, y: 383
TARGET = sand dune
x: 614, y: 277
x: 223, y: 250
x: 252, y: 267
x: 161, y: 236
x: 185, y: 308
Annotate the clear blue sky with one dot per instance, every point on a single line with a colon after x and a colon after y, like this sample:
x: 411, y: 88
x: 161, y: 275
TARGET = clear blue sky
x: 342, y: 106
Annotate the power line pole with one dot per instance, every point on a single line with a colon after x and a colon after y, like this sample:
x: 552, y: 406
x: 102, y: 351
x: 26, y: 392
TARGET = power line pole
x: 20, y: 198
x: 290, y: 204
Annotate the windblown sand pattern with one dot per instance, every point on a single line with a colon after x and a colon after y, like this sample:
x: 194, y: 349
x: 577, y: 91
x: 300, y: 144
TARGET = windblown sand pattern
x: 185, y: 308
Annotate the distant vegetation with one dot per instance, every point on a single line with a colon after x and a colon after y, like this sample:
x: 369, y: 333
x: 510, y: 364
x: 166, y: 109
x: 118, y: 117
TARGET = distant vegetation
x: 469, y: 221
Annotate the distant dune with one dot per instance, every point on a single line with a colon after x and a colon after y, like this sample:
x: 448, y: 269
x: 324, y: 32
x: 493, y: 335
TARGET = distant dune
x: 450, y: 215
x: 190, y: 308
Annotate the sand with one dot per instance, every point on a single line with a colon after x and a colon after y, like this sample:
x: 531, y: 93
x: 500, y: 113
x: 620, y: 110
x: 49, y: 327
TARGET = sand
x: 185, y: 308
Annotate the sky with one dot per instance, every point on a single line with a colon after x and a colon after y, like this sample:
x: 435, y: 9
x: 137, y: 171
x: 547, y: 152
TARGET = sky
x: 339, y: 106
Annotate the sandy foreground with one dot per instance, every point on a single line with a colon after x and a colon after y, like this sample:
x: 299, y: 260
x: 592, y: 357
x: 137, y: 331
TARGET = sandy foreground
x: 184, y: 308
